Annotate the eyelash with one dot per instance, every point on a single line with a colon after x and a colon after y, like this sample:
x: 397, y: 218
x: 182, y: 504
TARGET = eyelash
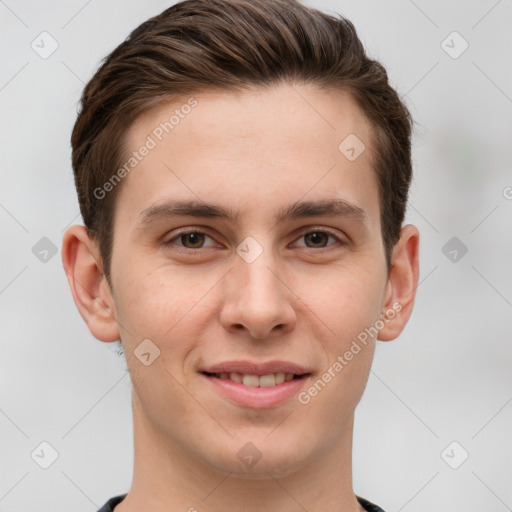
x: 302, y: 234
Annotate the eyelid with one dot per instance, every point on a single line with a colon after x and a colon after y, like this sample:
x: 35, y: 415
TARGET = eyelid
x: 186, y: 231
x: 320, y: 229
x: 299, y: 234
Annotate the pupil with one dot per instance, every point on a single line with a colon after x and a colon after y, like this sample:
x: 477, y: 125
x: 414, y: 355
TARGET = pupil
x: 315, y: 236
x: 194, y: 238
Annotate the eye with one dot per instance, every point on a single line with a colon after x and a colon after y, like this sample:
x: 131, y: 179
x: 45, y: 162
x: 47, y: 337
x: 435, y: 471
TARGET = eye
x: 314, y: 239
x: 318, y: 239
x: 189, y: 239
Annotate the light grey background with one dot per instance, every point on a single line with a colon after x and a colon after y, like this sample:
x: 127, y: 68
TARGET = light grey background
x: 447, y: 378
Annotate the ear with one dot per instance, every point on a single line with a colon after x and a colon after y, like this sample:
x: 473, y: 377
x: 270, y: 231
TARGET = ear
x: 89, y: 287
x: 402, y: 283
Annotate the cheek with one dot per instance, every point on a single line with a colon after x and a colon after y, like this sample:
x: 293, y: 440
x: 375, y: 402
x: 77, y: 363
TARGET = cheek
x: 151, y: 303
x: 170, y: 307
x: 153, y: 306
x: 347, y: 300
x: 349, y: 305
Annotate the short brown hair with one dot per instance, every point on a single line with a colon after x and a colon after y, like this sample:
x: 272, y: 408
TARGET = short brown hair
x: 200, y: 45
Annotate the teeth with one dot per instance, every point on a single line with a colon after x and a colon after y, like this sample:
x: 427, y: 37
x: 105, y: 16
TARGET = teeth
x: 251, y: 380
x: 265, y: 381
x: 236, y: 377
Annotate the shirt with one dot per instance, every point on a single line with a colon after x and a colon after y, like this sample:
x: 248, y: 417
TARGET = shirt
x: 111, y: 503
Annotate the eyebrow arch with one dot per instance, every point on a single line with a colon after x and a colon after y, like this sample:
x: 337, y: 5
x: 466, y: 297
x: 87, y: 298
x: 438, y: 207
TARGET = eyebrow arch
x: 301, y: 209
x: 327, y: 207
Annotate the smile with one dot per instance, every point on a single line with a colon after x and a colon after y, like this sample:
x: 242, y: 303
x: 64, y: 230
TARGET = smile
x: 263, y: 381
x: 256, y: 392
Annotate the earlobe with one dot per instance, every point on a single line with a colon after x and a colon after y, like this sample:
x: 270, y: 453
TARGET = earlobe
x: 89, y: 287
x: 402, y: 284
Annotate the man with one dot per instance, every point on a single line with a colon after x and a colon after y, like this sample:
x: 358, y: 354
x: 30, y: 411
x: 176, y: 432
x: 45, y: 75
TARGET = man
x: 242, y: 170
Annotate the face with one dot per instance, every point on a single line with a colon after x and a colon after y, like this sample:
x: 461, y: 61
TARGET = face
x: 246, y: 243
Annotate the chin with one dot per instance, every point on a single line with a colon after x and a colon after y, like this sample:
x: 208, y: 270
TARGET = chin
x: 261, y: 458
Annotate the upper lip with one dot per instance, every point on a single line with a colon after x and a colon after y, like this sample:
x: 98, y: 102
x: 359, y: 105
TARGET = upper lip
x: 259, y: 369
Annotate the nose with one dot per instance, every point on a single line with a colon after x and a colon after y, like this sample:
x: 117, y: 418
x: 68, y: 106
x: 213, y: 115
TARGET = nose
x: 258, y: 300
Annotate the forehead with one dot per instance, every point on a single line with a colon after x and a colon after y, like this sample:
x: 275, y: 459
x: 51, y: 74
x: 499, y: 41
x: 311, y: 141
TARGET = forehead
x: 255, y: 151
x: 214, y: 117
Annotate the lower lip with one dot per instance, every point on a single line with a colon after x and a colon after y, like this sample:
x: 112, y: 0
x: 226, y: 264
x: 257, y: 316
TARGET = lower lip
x: 257, y: 397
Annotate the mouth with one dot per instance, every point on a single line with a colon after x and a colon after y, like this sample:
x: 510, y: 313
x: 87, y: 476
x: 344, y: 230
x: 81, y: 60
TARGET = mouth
x: 254, y: 381
x: 256, y: 386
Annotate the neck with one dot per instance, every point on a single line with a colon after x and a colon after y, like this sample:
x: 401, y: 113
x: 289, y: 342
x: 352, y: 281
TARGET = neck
x: 167, y: 477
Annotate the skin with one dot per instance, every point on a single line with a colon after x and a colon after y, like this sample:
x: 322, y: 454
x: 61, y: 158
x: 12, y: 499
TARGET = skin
x: 304, y: 299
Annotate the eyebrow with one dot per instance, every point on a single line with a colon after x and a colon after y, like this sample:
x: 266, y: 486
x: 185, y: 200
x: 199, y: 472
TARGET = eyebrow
x: 301, y: 209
